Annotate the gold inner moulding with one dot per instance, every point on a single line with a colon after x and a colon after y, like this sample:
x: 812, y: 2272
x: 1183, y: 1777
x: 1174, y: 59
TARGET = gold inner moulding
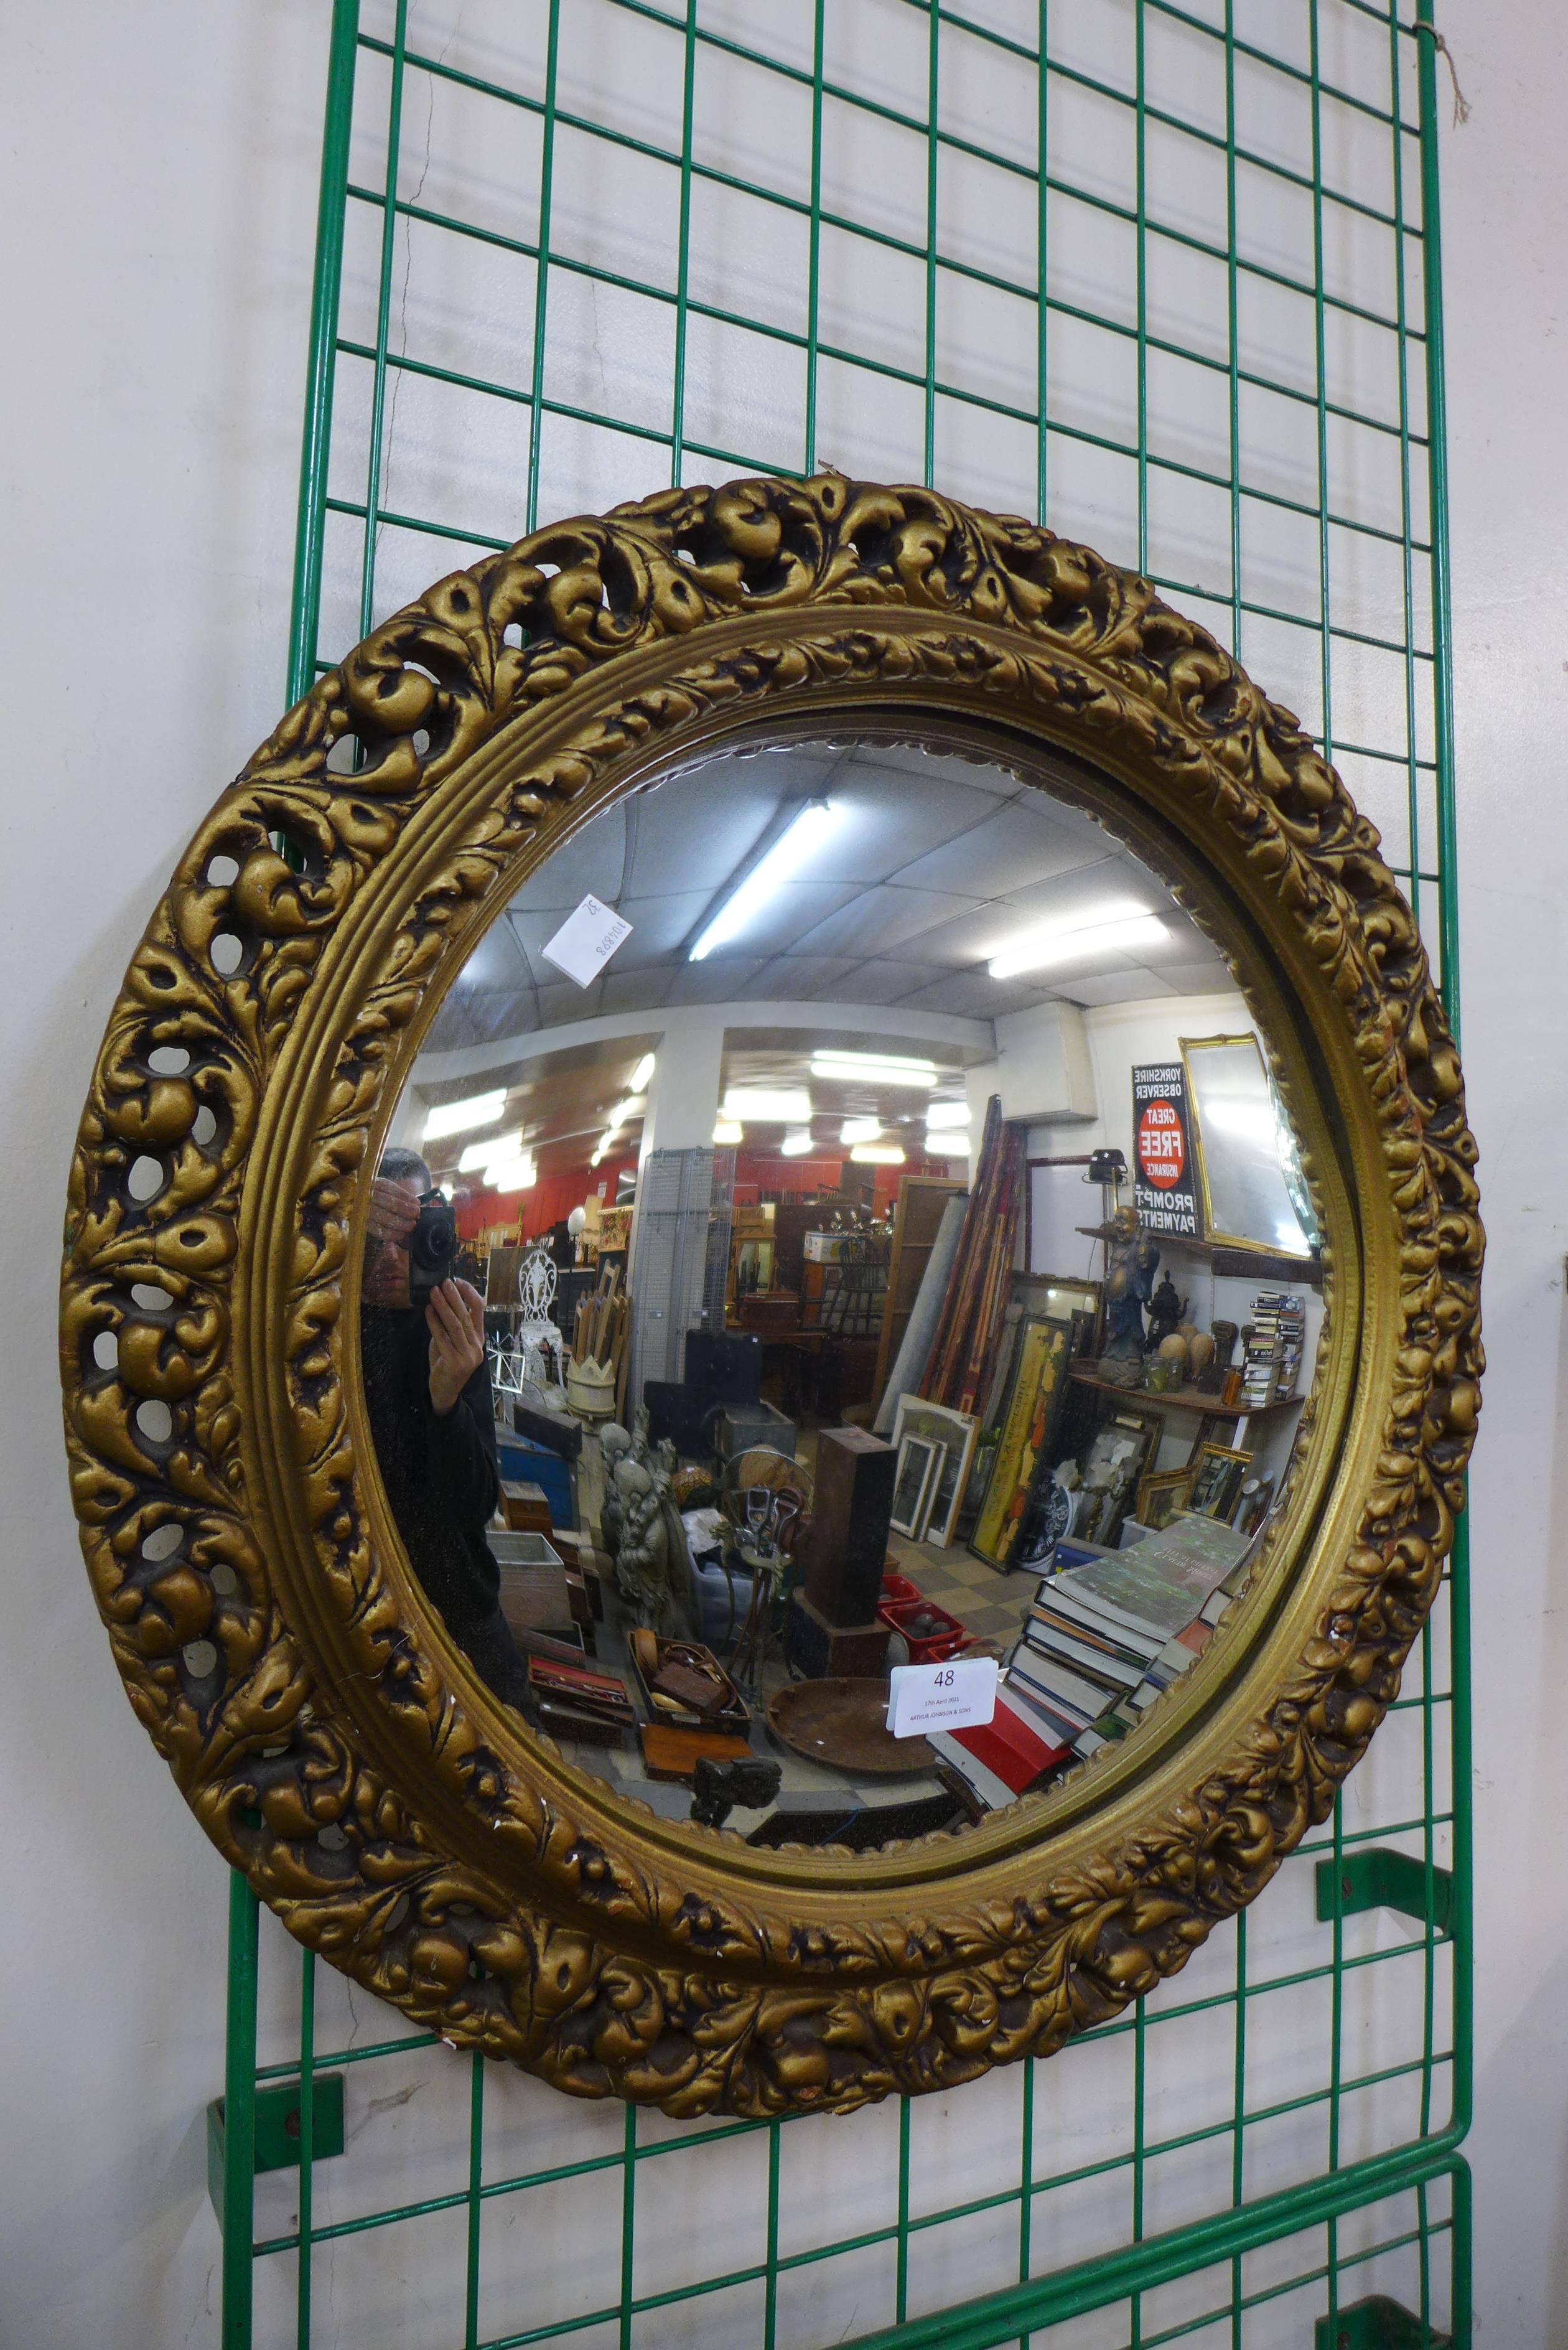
x: 770, y: 1315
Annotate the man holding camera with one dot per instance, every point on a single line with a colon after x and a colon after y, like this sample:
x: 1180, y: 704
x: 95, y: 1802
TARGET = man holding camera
x: 427, y: 1388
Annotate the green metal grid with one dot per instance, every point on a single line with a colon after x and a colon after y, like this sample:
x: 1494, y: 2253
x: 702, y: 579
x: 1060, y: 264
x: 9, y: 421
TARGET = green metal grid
x: 1307, y: 2248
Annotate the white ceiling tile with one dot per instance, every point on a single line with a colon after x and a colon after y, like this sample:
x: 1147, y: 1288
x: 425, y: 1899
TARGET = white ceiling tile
x: 794, y: 977
x: 876, y: 920
x: 502, y: 1012
x: 591, y: 860
x: 882, y: 981
x: 886, y: 820
x: 1012, y: 847
x: 973, y: 994
x: 937, y: 863
x: 453, y: 1026
x: 946, y: 767
x: 1115, y: 987
x: 1186, y: 944
x: 633, y: 990
x: 659, y: 928
x: 562, y: 1001
x: 496, y: 962
x: 1211, y: 978
x: 713, y: 981
x: 692, y: 833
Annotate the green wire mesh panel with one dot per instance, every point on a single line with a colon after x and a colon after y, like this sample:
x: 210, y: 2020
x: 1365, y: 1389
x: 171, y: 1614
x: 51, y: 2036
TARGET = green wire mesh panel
x: 1167, y: 276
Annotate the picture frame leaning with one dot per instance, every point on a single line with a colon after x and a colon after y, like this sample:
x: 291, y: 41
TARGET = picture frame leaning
x: 919, y: 1466
x: 957, y: 1432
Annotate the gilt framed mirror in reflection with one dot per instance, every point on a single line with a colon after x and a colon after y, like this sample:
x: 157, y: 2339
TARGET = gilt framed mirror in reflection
x: 581, y: 1262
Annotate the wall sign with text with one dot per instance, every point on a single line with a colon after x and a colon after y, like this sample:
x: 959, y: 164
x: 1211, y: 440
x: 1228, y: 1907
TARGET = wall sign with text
x: 1165, y: 1165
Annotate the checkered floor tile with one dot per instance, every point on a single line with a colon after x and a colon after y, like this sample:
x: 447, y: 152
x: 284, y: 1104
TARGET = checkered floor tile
x: 990, y: 1606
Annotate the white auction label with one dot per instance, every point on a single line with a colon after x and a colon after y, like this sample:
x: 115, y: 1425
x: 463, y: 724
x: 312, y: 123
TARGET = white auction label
x: 586, y: 942
x: 941, y: 1697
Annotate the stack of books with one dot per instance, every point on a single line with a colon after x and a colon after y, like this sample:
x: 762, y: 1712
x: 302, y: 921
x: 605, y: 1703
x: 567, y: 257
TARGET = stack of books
x: 1103, y: 1640
x: 1179, y: 1655
x: 1002, y: 1758
x: 1271, y: 1348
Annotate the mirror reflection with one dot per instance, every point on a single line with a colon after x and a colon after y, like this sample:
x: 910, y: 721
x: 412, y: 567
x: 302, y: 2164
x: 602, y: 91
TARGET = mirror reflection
x: 840, y: 1222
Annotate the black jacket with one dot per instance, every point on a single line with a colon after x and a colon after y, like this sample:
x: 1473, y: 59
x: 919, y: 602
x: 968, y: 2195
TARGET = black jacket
x: 442, y: 1482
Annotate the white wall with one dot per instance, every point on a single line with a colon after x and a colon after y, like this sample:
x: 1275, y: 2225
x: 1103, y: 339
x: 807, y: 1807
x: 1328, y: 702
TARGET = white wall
x: 1505, y: 227
x: 156, y: 181
x: 158, y: 185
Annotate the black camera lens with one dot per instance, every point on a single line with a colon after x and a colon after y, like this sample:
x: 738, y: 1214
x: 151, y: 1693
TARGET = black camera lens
x: 432, y: 1246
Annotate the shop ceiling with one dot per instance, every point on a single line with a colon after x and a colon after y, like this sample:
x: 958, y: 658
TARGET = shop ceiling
x: 934, y: 863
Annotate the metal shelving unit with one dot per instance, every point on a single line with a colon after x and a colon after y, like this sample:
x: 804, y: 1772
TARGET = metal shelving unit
x: 1267, y: 2150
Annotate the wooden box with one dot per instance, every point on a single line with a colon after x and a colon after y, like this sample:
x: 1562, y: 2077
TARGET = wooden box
x: 850, y: 1514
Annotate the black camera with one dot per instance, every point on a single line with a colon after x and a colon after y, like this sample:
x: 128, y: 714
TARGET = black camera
x: 432, y: 1246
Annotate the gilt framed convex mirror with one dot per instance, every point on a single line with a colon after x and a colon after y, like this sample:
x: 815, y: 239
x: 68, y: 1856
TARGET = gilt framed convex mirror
x: 553, y: 1196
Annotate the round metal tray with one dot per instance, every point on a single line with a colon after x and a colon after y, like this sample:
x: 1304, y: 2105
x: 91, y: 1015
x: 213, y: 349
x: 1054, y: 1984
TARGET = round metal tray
x: 843, y: 1725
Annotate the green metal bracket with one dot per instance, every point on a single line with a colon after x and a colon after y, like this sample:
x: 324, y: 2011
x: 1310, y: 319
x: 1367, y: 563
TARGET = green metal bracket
x: 1377, y: 2323
x: 278, y: 2130
x: 1379, y: 1878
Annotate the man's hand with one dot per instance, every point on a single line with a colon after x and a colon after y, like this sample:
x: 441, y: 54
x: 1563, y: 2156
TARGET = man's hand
x: 394, y: 1211
x: 456, y: 1317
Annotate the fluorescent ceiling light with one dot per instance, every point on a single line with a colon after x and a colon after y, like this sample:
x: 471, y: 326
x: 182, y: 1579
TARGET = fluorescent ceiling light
x: 866, y: 1068
x: 624, y: 1111
x: 948, y: 1142
x: 494, y: 1146
x: 768, y: 1105
x: 859, y: 1129
x: 1110, y: 929
x: 456, y: 1118
x: 917, y: 1068
x: 787, y: 855
x: 641, y: 1074
x: 728, y: 1130
x: 511, y: 1175
x: 797, y: 1142
x: 945, y: 1114
x: 877, y: 1154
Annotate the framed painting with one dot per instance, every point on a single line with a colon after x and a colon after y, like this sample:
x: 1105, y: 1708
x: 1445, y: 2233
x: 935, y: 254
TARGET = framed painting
x: 956, y: 1431
x: 1034, y: 1397
x: 1217, y: 1475
x: 919, y: 1465
x: 1162, y: 1494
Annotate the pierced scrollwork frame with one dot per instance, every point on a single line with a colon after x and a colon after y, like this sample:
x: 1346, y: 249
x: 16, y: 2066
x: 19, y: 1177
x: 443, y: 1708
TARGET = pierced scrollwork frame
x: 312, y: 1711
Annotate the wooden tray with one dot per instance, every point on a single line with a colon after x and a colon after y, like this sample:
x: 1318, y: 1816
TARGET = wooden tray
x: 649, y: 1654
x: 843, y: 1724
x: 675, y: 1753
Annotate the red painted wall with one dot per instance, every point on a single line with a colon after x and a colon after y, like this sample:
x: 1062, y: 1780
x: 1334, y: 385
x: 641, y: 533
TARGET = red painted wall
x: 552, y: 1199
x: 772, y: 1173
x: 554, y: 1196
x: 759, y: 1171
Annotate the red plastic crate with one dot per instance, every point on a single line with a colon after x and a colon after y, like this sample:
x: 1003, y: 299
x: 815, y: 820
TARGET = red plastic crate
x: 925, y: 1648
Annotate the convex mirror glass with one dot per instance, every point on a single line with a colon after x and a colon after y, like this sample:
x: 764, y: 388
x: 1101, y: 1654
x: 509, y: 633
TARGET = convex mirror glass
x: 681, y: 1450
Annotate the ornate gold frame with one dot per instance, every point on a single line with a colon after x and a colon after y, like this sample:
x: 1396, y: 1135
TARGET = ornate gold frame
x: 311, y: 1706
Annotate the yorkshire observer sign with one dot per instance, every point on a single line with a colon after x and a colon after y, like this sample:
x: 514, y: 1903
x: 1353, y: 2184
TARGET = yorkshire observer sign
x: 1165, y: 1168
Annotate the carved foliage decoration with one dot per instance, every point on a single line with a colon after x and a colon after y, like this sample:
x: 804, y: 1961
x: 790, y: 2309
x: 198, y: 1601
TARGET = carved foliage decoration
x: 312, y: 1716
